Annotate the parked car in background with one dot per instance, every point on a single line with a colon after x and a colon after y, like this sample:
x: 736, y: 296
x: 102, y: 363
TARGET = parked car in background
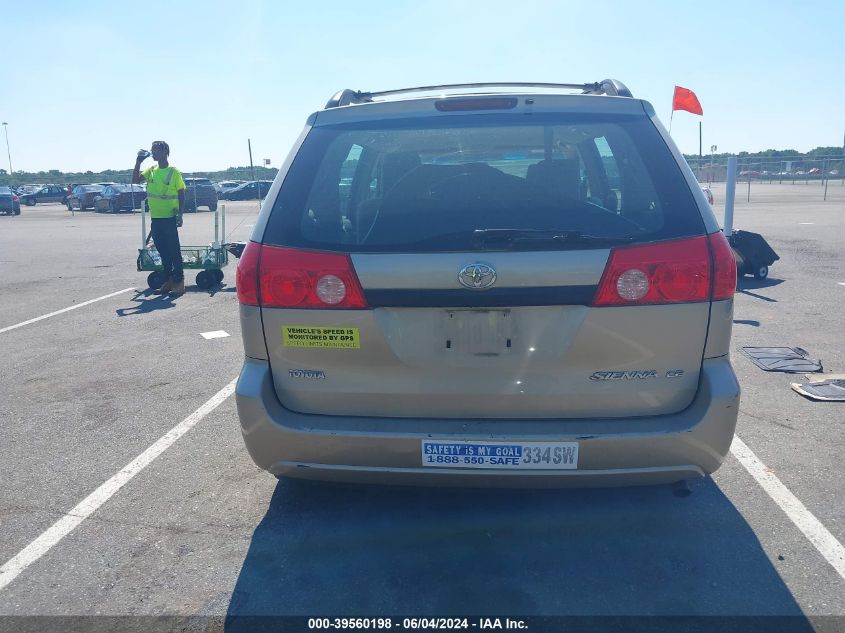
x: 248, y: 191
x: 227, y: 185
x: 9, y: 202
x: 47, y: 193
x: 115, y: 198
x: 707, y: 193
x: 83, y: 197
x: 200, y: 192
x: 69, y: 190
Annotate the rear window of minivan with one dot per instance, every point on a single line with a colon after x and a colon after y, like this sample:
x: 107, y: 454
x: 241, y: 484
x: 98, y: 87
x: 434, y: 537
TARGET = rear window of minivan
x: 427, y: 185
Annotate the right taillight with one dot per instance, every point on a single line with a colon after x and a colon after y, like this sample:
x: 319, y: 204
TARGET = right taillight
x: 724, y: 266
x: 278, y: 277
x: 678, y: 271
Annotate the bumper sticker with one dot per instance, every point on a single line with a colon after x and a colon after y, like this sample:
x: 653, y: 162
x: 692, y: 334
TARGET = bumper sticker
x: 331, y: 337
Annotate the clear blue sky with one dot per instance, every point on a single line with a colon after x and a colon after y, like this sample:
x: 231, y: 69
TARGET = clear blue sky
x: 85, y: 84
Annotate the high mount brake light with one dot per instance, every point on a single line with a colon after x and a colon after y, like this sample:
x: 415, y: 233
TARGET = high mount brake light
x: 476, y: 103
x: 277, y: 277
x: 680, y: 271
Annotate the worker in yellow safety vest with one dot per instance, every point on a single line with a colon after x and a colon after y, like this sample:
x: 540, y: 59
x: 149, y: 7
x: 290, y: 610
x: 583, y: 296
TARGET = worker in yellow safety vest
x: 166, y: 200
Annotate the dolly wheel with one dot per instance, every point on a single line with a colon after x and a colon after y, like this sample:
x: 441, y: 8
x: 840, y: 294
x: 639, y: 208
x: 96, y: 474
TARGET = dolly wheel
x: 218, y: 275
x: 204, y: 279
x: 155, y: 279
x: 762, y: 272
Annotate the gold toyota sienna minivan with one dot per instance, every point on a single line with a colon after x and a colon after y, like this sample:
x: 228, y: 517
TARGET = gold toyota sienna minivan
x: 487, y: 285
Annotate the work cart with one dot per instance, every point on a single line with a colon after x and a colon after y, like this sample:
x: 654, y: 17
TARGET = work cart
x: 209, y: 260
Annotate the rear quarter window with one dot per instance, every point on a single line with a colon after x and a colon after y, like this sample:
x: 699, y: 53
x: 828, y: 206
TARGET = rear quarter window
x: 424, y: 185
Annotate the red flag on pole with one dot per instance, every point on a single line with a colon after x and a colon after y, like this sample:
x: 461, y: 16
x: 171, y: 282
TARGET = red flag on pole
x: 685, y: 99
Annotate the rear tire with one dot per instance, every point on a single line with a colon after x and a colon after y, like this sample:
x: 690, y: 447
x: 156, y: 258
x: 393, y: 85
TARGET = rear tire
x: 30, y: 202
x: 761, y: 272
x: 212, y: 206
x: 218, y: 275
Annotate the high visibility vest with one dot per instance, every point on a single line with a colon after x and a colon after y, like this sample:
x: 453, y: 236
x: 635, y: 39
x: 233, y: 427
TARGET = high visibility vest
x: 162, y: 191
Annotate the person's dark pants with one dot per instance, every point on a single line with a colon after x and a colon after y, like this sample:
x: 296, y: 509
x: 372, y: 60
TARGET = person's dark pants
x: 166, y: 238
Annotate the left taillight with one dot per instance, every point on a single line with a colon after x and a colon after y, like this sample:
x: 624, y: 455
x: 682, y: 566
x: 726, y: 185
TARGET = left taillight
x: 278, y: 277
x: 246, y: 277
x: 293, y: 278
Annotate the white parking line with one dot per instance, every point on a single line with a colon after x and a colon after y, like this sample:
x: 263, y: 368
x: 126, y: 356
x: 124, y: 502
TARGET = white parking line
x: 806, y: 223
x: 78, y: 305
x: 816, y: 533
x: 842, y: 283
x: 64, y: 526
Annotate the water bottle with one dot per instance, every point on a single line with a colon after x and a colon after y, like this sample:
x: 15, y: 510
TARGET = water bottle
x: 155, y: 257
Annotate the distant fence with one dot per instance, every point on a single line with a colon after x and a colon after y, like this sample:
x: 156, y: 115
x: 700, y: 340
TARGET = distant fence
x: 822, y: 169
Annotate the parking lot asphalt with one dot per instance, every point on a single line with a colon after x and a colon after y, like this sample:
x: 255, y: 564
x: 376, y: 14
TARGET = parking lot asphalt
x: 202, y: 531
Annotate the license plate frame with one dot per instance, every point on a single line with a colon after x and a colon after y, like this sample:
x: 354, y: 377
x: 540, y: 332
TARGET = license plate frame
x: 503, y: 455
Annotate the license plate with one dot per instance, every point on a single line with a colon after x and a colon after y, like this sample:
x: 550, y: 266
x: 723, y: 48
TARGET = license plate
x: 478, y: 332
x: 501, y: 455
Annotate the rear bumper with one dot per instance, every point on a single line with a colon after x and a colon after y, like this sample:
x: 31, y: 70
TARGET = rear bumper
x: 612, y: 452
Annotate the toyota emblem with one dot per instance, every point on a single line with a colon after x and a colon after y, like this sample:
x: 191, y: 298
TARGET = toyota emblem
x: 477, y: 276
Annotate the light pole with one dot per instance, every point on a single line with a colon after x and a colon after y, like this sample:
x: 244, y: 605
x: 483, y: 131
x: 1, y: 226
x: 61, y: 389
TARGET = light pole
x: 8, y: 151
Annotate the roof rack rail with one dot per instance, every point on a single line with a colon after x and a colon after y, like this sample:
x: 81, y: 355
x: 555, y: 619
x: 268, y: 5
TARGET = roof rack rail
x: 610, y: 87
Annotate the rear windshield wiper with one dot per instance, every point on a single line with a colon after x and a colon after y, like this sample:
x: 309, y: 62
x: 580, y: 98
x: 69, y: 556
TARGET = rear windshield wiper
x: 545, y: 237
